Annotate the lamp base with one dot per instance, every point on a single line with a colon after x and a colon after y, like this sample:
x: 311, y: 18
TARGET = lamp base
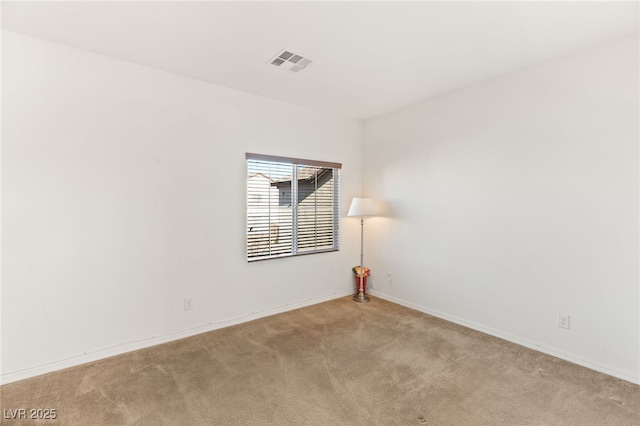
x: 361, y: 298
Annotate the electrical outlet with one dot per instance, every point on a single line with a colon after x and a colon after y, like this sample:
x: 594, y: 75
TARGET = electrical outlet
x: 188, y: 304
x: 389, y: 279
x: 564, y: 321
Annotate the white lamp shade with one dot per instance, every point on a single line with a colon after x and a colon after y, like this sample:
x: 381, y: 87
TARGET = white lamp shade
x: 361, y: 207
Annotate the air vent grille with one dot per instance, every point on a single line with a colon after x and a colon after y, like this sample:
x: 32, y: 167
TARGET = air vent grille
x: 291, y: 61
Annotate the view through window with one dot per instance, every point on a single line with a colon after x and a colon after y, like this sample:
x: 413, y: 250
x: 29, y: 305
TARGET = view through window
x: 292, y: 206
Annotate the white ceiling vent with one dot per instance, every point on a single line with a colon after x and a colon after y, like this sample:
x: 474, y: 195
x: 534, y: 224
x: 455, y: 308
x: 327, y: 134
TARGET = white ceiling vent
x: 286, y: 59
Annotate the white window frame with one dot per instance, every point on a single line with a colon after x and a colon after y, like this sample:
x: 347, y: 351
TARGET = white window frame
x: 259, y: 246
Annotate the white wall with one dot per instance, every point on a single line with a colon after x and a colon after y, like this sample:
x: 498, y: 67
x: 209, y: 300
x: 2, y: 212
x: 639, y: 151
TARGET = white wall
x: 123, y: 193
x: 514, y: 200
x: 505, y: 203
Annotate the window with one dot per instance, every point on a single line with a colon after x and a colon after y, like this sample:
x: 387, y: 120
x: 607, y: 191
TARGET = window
x: 292, y: 206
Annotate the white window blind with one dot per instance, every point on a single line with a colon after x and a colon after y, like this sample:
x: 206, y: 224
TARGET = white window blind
x: 292, y: 206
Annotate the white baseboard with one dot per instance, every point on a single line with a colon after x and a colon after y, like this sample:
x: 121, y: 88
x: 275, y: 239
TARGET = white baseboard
x: 157, y: 340
x: 121, y: 348
x: 624, y: 375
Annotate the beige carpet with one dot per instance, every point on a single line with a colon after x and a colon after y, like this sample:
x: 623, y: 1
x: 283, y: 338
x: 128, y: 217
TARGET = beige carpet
x: 335, y: 363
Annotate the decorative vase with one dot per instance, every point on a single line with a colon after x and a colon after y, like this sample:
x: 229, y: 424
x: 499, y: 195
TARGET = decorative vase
x: 358, y: 272
x: 364, y: 284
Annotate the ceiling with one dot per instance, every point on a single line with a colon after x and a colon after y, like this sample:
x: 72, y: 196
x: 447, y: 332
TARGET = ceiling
x: 369, y: 58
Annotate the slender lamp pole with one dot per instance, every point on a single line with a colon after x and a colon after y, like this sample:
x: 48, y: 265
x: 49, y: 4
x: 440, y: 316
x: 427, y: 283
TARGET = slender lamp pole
x: 361, y: 207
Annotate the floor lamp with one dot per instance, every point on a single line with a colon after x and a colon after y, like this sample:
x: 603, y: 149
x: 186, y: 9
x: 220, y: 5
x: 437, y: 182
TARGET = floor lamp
x: 361, y: 207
